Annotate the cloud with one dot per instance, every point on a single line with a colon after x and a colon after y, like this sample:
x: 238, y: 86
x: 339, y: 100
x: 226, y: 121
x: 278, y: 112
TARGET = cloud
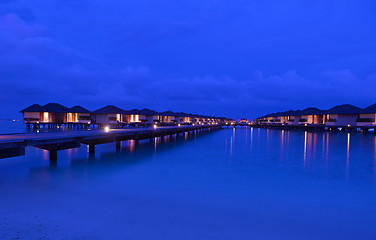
x: 36, y: 67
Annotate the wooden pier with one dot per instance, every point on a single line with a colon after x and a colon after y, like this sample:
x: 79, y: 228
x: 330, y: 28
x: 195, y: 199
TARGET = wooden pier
x: 14, y: 144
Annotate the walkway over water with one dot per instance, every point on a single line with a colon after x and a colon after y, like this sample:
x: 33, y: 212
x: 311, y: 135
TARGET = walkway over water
x: 14, y: 144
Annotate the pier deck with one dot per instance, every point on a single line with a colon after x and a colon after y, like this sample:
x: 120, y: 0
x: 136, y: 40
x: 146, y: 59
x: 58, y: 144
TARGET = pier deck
x: 14, y: 144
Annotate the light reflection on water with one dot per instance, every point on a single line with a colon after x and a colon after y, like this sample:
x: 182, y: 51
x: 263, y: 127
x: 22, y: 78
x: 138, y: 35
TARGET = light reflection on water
x: 251, y: 176
x: 316, y: 147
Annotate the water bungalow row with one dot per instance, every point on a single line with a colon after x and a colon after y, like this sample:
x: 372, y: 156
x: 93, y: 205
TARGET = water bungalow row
x: 341, y: 116
x: 54, y: 114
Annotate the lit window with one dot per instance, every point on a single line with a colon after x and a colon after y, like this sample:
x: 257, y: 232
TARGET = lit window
x: 45, y: 117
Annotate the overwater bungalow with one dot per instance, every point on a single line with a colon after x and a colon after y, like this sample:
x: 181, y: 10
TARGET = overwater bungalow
x: 311, y: 116
x: 186, y: 118
x: 132, y: 116
x: 109, y: 114
x: 179, y: 117
x: 345, y: 115
x: 78, y: 114
x: 342, y: 115
x: 194, y: 118
x: 367, y: 117
x: 148, y: 116
x: 33, y: 113
x: 168, y: 117
x: 54, y: 113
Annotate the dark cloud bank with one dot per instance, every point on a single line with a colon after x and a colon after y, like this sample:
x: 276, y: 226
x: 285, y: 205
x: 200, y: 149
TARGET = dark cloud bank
x: 238, y: 60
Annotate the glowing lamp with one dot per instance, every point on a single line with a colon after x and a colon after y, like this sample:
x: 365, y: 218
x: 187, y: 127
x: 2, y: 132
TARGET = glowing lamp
x: 155, y: 126
x: 107, y: 129
x: 179, y: 125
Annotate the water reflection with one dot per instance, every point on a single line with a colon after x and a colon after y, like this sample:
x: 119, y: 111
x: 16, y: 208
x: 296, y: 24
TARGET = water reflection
x: 305, y: 148
x: 251, y: 137
x: 348, y: 154
x: 374, y: 146
x: 131, y: 145
x: 231, y: 146
x: 297, y: 149
x: 45, y: 155
x: 329, y: 150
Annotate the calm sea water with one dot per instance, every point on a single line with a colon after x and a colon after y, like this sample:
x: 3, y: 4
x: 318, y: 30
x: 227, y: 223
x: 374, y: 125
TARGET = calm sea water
x: 12, y: 126
x: 227, y: 184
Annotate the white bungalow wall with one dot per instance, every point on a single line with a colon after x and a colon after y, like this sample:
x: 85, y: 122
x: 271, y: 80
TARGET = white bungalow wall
x: 342, y: 119
x: 33, y: 116
x: 179, y: 119
x: 308, y: 118
x: 295, y: 120
x: 367, y: 115
x: 104, y: 118
x: 85, y: 116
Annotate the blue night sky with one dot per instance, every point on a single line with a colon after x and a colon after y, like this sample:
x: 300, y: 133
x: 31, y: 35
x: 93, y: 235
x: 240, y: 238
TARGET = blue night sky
x: 228, y: 58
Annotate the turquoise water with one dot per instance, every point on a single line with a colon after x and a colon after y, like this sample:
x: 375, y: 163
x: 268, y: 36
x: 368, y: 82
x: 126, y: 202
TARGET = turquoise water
x: 227, y: 184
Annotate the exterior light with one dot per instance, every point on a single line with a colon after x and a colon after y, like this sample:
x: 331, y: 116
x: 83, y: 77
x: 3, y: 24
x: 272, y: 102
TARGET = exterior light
x: 155, y: 126
x: 305, y: 124
x: 107, y: 129
x: 179, y: 125
x: 348, y: 125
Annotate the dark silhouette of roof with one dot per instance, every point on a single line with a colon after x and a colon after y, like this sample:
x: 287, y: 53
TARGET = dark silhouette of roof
x: 340, y: 109
x: 168, y: 113
x: 370, y: 109
x: 288, y: 113
x: 181, y: 114
x: 133, y: 112
x: 148, y: 112
x: 55, y: 108
x: 110, y: 109
x: 145, y: 111
x: 312, y: 111
x: 193, y: 115
x: 33, y: 108
x: 344, y: 109
x: 79, y: 109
